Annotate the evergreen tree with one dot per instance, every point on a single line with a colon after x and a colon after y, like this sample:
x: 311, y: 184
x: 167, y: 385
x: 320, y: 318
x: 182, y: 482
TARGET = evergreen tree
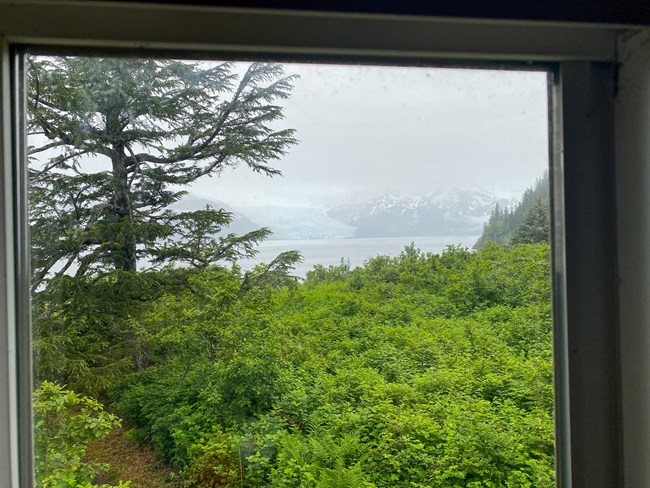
x: 119, y: 137
x: 536, y: 227
x: 502, y: 224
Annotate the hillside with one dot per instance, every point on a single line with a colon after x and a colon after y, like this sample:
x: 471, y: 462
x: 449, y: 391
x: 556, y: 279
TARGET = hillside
x: 457, y: 212
x: 532, y: 210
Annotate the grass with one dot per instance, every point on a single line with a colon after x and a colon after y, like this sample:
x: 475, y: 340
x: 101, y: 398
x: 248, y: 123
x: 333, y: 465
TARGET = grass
x: 130, y: 461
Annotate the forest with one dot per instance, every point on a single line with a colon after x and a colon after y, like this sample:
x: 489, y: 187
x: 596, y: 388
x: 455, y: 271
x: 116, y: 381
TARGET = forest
x: 420, y: 370
x: 528, y: 221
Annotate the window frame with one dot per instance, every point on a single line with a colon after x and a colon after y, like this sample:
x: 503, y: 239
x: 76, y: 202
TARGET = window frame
x: 589, y: 418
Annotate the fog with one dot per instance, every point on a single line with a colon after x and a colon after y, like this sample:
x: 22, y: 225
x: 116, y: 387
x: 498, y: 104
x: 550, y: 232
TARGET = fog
x: 366, y: 131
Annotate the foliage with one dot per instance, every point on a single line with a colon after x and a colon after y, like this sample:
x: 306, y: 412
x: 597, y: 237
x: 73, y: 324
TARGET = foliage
x: 64, y: 424
x: 193, y: 241
x: 88, y: 332
x: 118, y: 135
x: 532, y: 210
x: 536, y: 225
x: 415, y: 371
x: 83, y: 336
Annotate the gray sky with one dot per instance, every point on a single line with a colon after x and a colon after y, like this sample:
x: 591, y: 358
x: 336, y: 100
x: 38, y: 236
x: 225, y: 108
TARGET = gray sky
x: 366, y: 131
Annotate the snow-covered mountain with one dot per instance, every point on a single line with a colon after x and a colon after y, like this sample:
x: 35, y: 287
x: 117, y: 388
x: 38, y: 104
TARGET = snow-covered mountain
x: 459, y: 211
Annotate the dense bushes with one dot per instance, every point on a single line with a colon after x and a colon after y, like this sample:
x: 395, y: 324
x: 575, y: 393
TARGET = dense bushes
x: 415, y: 371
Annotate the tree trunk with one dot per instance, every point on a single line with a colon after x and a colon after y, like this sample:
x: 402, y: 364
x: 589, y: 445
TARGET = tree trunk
x: 124, y: 245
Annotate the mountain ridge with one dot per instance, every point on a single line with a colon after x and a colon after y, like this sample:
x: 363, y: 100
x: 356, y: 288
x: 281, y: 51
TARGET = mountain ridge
x: 458, y: 211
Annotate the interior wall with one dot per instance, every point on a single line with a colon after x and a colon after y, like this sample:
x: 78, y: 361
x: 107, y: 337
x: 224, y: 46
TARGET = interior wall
x: 633, y: 192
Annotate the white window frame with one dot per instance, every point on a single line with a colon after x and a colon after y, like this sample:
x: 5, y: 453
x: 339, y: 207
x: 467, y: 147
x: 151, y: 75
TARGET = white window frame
x: 600, y: 183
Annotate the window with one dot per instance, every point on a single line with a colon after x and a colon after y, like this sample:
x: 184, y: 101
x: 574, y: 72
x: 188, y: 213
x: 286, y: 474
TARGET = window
x: 426, y: 367
x: 586, y: 228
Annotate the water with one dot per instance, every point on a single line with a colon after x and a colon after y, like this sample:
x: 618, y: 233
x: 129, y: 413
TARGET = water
x: 355, y: 251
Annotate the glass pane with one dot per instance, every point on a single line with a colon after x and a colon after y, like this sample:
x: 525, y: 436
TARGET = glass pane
x: 298, y: 275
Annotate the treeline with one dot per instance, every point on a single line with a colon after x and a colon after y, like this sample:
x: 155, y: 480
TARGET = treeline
x: 527, y: 222
x: 414, y: 371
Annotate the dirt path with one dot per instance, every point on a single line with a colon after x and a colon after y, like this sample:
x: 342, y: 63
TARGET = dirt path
x: 130, y: 461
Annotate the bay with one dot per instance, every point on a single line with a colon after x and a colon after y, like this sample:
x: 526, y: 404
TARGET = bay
x: 354, y: 251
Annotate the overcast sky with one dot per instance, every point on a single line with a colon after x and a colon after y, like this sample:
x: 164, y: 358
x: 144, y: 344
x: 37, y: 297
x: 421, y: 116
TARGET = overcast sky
x: 366, y: 131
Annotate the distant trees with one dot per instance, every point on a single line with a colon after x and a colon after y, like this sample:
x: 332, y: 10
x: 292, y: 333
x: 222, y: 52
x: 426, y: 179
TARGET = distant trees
x: 505, y: 225
x: 118, y: 138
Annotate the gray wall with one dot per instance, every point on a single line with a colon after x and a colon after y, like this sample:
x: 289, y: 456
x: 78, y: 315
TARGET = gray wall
x: 633, y: 189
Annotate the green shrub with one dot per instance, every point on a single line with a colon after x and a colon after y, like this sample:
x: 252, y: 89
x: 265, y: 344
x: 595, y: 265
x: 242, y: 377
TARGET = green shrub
x: 409, y: 372
x: 64, y: 424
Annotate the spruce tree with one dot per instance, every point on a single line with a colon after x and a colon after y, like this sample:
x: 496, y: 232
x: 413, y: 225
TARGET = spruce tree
x: 535, y: 227
x: 119, y: 138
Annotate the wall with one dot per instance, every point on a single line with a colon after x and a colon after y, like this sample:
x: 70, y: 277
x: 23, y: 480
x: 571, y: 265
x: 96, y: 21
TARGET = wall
x: 633, y: 190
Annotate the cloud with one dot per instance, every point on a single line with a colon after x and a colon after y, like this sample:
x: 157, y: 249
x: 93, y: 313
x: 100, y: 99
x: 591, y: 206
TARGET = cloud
x: 367, y: 130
